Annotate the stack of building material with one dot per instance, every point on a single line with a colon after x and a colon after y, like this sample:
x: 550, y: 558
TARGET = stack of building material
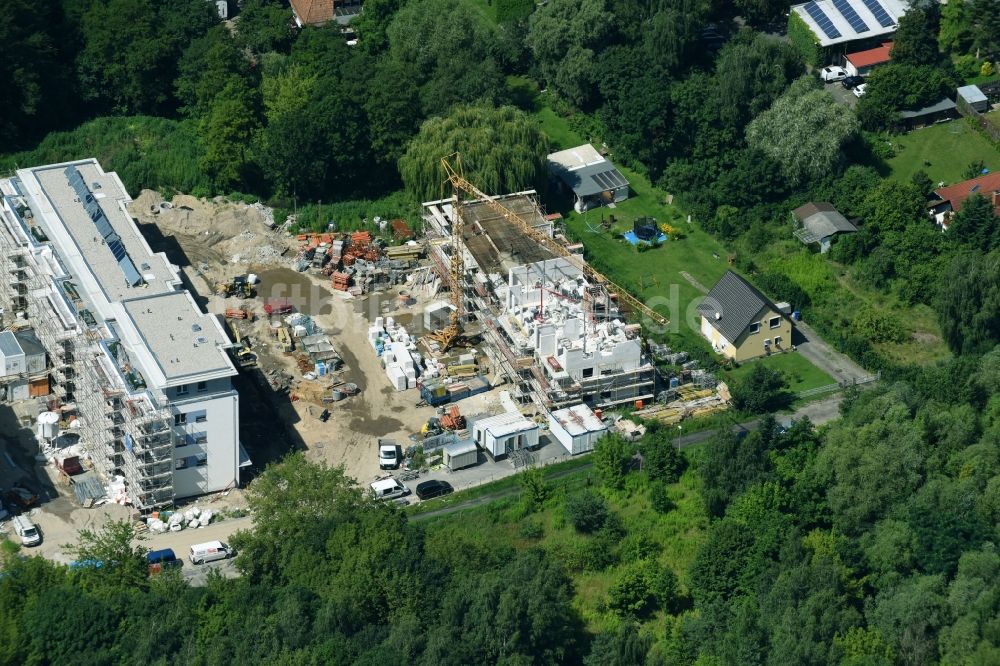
x: 401, y: 230
x: 397, y: 350
x: 340, y: 281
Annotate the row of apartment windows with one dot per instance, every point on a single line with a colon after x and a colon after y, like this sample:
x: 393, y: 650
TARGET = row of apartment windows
x: 774, y: 322
x: 185, y: 389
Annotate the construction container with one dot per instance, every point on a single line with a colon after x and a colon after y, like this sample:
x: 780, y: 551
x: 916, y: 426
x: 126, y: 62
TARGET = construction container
x: 434, y: 393
x: 460, y: 455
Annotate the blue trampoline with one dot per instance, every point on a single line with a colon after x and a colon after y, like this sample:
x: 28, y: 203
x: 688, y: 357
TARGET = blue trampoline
x: 635, y: 240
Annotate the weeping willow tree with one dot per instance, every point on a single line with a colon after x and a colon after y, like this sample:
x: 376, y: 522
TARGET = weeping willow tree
x: 503, y: 150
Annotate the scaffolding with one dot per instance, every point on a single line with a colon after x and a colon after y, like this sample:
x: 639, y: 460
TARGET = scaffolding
x: 126, y: 430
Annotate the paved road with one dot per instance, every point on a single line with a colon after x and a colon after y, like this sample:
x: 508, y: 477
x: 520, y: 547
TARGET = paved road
x: 826, y: 358
x: 819, y: 412
x: 182, y: 541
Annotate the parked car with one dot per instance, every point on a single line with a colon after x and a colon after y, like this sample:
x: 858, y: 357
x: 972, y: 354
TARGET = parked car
x: 26, y: 531
x: 387, y: 489
x: 210, y: 551
x: 852, y: 81
x: 860, y: 90
x: 161, y: 559
x: 833, y: 73
x: 433, y: 488
x: 390, y: 455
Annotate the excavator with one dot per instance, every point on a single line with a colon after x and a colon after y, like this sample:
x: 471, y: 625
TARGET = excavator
x: 245, y: 356
x: 451, y: 335
x: 238, y: 287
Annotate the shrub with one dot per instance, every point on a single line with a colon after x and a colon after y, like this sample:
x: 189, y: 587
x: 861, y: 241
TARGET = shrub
x: 586, y: 511
x: 660, y: 498
x: 531, y: 528
x: 612, y: 459
x: 642, y: 588
x: 761, y: 390
x: 878, y: 326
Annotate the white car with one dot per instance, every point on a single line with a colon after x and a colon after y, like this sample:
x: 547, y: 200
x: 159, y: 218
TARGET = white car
x: 828, y: 74
x: 389, y: 455
x: 859, y: 90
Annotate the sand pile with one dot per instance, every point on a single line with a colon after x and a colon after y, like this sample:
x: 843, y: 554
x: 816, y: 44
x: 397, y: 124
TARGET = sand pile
x: 239, y: 232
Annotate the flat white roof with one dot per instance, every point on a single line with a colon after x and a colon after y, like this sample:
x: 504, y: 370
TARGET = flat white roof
x: 185, y: 344
x: 505, y: 424
x: 578, y: 420
x: 65, y: 219
x: 576, y: 158
x: 458, y: 448
x: 861, y: 19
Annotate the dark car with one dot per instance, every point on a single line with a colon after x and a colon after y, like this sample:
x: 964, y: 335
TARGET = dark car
x: 433, y: 488
x: 852, y: 81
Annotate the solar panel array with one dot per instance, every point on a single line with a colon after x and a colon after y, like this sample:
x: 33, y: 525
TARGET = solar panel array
x: 822, y: 20
x: 609, y: 180
x: 845, y: 9
x: 878, y: 11
x: 103, y: 225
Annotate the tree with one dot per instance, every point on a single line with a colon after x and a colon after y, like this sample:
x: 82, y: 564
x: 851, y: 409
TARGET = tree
x: 898, y: 86
x: 761, y: 12
x: 227, y: 132
x: 513, y: 10
x: 803, y: 131
x: 641, y: 588
x: 205, y: 68
x: 915, y: 41
x: 131, y: 49
x: 263, y: 26
x: 36, y: 76
x: 535, y: 492
x: 564, y: 37
x: 968, y: 302
x: 976, y: 225
x: 447, y: 49
x: 502, y: 150
x: 114, y: 559
x: 661, y: 459
x: 586, y: 511
x: 760, y: 390
x: 612, y: 460
x: 909, y: 616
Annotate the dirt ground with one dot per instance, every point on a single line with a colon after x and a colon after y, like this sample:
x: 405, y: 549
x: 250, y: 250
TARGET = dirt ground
x: 213, y: 240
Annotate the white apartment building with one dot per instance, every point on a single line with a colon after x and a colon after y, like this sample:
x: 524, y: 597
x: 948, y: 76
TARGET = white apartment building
x: 134, y: 360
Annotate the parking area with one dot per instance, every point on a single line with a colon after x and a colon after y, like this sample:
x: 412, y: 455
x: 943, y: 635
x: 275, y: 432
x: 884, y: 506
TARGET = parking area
x: 841, y: 94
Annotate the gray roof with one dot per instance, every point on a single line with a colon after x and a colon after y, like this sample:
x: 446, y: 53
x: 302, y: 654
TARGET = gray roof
x: 29, y: 343
x: 458, y: 448
x: 736, y: 302
x: 8, y: 345
x: 972, y: 94
x: 591, y: 179
x: 820, y: 221
x: 944, y: 105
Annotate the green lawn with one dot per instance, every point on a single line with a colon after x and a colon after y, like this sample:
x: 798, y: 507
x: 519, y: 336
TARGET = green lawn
x: 800, y: 373
x: 943, y: 151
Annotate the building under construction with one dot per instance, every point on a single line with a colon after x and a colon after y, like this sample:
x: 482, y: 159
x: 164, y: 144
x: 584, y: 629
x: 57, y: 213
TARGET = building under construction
x: 555, y: 333
x: 136, y: 368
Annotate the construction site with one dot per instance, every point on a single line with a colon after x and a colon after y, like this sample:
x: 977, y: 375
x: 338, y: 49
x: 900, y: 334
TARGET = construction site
x: 199, y: 340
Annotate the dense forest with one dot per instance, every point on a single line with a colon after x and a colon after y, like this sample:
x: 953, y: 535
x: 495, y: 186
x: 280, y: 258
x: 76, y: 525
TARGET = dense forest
x: 867, y: 541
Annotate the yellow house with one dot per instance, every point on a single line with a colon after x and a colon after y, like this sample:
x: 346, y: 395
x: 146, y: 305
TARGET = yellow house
x: 741, y: 322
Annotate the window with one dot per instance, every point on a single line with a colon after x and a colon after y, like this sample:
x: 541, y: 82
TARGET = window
x: 777, y: 341
x: 775, y: 322
x: 201, y: 438
x: 180, y: 419
x: 182, y: 390
x: 203, y: 386
x: 588, y: 372
x: 754, y: 327
x: 201, y: 418
x: 198, y: 416
x: 201, y: 460
x: 767, y: 342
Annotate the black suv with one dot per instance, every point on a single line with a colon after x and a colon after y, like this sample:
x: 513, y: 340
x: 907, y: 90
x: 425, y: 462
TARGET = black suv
x: 433, y: 488
x: 852, y: 81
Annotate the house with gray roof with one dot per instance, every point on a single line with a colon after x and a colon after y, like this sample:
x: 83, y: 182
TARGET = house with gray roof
x: 818, y: 223
x: 741, y: 322
x: 593, y: 180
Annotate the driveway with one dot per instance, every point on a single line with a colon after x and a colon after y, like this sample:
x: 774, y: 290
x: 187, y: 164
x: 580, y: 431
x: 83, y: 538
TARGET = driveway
x: 841, y: 94
x: 826, y: 358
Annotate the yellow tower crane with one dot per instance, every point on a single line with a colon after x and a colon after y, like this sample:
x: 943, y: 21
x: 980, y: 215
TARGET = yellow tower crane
x: 453, y: 175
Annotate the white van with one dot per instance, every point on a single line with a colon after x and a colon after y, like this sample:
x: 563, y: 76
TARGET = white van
x: 389, y: 489
x: 26, y: 530
x: 210, y: 551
